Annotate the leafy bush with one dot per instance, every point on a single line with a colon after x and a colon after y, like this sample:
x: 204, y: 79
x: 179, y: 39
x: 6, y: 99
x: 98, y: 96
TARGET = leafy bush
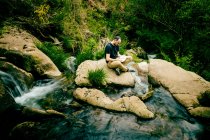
x: 85, y: 55
x: 184, y: 61
x: 99, y: 54
x: 55, y: 53
x: 206, y: 74
x: 97, y: 77
x: 68, y: 44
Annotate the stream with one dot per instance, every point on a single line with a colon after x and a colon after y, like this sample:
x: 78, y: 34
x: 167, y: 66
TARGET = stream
x: 87, y: 122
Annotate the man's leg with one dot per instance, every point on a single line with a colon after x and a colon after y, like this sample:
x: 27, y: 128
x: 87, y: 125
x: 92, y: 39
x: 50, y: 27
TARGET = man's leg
x: 117, y: 64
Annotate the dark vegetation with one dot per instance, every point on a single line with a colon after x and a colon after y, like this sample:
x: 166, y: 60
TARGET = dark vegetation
x: 176, y: 30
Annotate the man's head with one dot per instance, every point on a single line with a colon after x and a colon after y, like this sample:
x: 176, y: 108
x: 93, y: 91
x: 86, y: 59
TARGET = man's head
x: 116, y: 41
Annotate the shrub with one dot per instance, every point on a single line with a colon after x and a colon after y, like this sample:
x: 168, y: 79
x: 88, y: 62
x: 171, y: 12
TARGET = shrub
x: 55, y: 53
x: 183, y: 61
x: 99, y: 54
x: 206, y: 74
x: 85, y: 55
x: 97, y: 77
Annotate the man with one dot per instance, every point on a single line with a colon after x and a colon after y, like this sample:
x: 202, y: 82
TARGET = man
x: 113, y: 59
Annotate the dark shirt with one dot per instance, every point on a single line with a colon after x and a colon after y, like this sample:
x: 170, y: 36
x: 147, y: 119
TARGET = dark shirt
x: 112, y: 50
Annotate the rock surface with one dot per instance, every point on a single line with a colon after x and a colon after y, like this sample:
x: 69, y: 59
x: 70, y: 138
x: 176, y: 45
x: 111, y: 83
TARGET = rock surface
x: 23, y: 77
x: 18, y: 47
x: 5, y: 99
x: 126, y: 104
x: 184, y: 85
x: 125, y: 79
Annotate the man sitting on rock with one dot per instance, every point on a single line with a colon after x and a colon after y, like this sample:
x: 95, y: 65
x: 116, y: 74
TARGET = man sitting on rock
x: 113, y: 58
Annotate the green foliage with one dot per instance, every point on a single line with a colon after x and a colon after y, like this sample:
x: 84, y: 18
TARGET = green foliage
x: 183, y: 61
x: 165, y: 56
x: 3, y: 30
x: 68, y: 44
x: 97, y: 77
x: 206, y: 74
x: 158, y: 26
x: 168, y: 26
x: 40, y: 17
x: 99, y: 54
x: 91, y: 42
x: 55, y: 53
x: 84, y: 55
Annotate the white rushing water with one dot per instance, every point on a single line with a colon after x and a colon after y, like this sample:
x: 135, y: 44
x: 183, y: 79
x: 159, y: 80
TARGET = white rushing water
x: 70, y: 63
x: 37, y: 92
x: 140, y: 87
x: 13, y: 87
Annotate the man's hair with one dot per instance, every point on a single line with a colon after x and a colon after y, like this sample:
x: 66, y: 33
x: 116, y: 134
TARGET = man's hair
x: 117, y: 37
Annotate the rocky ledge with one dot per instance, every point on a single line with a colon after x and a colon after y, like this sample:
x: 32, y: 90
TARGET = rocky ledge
x: 185, y: 86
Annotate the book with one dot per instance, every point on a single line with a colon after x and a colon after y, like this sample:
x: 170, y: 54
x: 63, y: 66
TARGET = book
x: 122, y: 58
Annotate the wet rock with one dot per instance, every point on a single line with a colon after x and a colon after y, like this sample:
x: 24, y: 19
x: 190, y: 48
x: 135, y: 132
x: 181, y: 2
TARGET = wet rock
x: 26, y: 130
x: 134, y: 55
x: 146, y: 95
x: 140, y: 52
x: 75, y: 104
x: 125, y: 79
x: 126, y: 104
x: 33, y: 113
x: 5, y: 99
x: 20, y: 75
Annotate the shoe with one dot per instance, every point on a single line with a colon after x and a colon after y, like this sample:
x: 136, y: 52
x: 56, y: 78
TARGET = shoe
x: 130, y: 70
x: 117, y: 71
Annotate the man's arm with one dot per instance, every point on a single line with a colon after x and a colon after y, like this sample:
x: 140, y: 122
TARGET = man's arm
x: 108, y: 58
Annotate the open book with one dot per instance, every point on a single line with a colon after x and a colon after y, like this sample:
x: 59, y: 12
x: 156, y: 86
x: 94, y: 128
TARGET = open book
x: 122, y: 58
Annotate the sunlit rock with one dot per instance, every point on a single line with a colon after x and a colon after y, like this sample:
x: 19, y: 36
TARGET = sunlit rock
x: 19, y: 48
x: 184, y: 85
x: 33, y: 113
x: 187, y: 100
x: 203, y: 112
x: 126, y: 104
x: 125, y: 79
x: 143, y: 67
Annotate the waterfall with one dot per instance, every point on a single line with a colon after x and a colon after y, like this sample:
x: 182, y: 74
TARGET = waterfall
x: 27, y: 97
x: 11, y: 85
x: 141, y: 85
x: 70, y: 63
x: 151, y: 56
x: 39, y: 91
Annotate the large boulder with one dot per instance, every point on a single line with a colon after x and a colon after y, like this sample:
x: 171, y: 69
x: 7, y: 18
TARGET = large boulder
x: 126, y: 104
x: 18, y: 47
x: 125, y: 79
x: 184, y: 85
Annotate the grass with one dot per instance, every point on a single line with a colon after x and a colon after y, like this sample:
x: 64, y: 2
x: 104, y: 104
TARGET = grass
x: 55, y: 53
x: 97, y: 77
x: 85, y: 55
